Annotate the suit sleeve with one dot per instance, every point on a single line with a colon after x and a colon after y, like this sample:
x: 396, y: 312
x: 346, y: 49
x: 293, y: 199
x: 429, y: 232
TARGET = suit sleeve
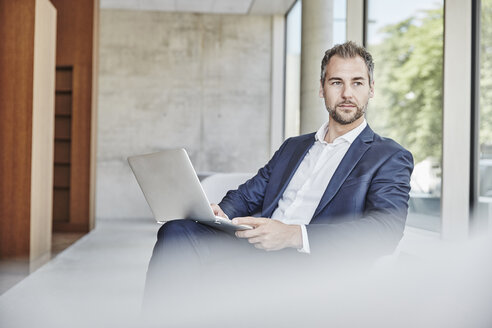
x: 381, y: 226
x: 248, y: 198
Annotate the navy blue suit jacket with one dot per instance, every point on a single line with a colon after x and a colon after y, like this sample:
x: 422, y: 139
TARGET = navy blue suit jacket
x: 366, y: 199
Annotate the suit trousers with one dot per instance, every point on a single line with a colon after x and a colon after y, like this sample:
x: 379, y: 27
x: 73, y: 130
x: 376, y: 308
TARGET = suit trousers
x: 192, y: 258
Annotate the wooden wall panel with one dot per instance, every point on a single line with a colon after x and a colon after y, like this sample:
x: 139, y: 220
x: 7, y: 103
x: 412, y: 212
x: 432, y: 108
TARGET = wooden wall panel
x: 24, y: 197
x: 95, y: 94
x: 75, y: 48
x: 16, y: 95
x: 43, y: 130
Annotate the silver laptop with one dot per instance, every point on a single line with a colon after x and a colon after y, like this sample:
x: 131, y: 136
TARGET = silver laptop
x: 173, y: 191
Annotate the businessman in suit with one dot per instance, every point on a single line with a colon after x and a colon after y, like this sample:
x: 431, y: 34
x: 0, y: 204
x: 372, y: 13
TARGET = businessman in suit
x: 340, y: 190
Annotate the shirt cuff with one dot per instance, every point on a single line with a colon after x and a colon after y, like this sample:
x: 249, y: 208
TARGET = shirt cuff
x: 305, y: 241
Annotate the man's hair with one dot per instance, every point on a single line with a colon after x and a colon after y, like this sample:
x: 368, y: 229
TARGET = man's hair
x: 347, y: 50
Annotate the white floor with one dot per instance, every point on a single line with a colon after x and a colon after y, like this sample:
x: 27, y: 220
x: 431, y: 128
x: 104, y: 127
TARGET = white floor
x: 98, y: 282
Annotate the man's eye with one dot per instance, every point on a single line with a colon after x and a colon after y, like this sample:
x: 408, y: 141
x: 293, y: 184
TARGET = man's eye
x: 357, y: 83
x: 336, y: 83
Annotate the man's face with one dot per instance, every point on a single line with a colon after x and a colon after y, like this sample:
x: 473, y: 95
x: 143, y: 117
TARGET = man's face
x: 347, y: 89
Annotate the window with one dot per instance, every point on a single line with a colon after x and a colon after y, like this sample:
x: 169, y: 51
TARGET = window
x: 406, y: 41
x: 293, y: 59
x: 293, y: 70
x: 485, y: 115
x: 339, y: 21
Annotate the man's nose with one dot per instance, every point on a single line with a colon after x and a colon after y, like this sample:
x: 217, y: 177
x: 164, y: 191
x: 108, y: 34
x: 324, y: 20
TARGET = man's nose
x: 347, y: 92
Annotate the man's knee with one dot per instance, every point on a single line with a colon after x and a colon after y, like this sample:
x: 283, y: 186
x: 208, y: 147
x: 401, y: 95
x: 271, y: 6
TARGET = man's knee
x: 176, y: 229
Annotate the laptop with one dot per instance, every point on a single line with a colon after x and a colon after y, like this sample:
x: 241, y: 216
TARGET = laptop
x: 172, y: 189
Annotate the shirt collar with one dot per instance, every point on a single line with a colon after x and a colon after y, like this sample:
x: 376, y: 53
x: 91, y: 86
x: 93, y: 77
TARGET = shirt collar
x: 349, y: 136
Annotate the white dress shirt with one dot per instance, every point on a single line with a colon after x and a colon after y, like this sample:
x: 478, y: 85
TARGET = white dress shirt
x: 304, y: 191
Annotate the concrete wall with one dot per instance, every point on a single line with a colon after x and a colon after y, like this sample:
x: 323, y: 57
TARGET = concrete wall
x: 180, y: 80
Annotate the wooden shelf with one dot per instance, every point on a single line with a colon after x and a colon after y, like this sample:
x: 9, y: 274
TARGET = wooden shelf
x: 63, y: 115
x: 62, y: 164
x: 63, y: 145
x: 64, y: 92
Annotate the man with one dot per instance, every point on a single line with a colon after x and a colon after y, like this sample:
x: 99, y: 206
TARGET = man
x: 341, y: 190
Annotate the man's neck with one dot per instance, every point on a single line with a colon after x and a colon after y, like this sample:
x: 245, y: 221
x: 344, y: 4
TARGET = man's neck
x: 336, y: 129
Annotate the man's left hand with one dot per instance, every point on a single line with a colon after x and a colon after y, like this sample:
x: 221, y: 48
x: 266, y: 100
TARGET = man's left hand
x: 269, y: 234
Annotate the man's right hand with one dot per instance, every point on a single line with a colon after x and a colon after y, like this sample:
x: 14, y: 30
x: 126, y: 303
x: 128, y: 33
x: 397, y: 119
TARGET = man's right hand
x: 218, y: 211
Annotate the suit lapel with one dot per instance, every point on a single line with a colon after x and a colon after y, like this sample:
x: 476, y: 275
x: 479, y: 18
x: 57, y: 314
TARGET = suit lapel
x: 358, y: 148
x: 295, y: 160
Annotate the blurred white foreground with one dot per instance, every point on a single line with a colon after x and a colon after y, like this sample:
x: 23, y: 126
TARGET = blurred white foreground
x: 99, y: 282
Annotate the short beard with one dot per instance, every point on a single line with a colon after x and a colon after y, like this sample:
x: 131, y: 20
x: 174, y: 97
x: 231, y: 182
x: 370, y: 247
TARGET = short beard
x: 339, y: 119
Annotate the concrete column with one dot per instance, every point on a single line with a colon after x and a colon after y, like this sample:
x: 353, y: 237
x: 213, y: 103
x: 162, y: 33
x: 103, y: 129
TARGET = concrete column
x: 355, y: 21
x: 277, y: 93
x: 317, y: 37
x: 455, y: 207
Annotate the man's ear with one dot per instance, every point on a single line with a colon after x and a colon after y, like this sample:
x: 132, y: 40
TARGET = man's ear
x: 321, y: 93
x: 371, y: 90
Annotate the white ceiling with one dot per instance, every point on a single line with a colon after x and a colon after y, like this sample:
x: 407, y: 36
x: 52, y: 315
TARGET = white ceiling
x: 253, y: 7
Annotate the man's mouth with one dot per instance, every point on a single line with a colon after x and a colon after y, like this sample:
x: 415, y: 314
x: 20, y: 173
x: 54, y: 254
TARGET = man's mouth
x: 346, y: 106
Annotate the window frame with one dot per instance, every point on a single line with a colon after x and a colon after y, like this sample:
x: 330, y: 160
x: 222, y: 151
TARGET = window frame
x: 459, y: 192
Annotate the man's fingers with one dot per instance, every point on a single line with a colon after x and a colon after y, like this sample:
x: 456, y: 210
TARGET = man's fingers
x: 218, y: 211
x: 254, y: 240
x: 249, y: 220
x: 248, y: 233
x: 259, y: 246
